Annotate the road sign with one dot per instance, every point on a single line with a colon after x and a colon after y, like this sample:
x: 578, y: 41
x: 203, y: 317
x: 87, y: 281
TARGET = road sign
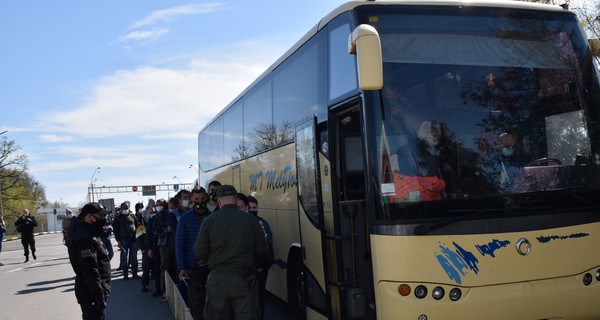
x: 148, y: 190
x: 175, y: 187
x: 134, y: 188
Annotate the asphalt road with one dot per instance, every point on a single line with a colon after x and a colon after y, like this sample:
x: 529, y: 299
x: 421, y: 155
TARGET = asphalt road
x: 43, y: 288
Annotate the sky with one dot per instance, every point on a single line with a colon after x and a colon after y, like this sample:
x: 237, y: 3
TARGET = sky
x: 127, y: 85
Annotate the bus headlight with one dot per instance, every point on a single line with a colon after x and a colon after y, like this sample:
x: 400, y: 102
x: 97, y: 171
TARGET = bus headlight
x: 438, y: 293
x: 455, y: 294
x: 421, y: 291
x: 587, y: 279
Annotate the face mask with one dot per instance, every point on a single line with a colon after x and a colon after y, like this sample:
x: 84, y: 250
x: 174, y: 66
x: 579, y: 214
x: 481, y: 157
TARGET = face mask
x: 199, y: 206
x: 253, y: 212
x: 185, y: 203
x: 98, y: 225
x: 213, y: 196
x: 159, y: 208
x: 507, y: 152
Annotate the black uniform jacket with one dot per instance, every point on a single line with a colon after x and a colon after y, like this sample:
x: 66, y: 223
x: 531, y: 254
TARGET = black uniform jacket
x: 89, y: 259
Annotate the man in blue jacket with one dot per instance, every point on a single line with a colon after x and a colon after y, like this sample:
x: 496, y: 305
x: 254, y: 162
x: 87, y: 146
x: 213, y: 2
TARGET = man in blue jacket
x: 185, y: 237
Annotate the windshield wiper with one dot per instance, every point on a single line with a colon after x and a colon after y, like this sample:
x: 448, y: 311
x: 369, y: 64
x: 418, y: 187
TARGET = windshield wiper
x: 582, y: 199
x: 424, y: 229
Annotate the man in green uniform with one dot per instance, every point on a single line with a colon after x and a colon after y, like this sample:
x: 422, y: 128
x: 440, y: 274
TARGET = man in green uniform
x: 229, y: 240
x: 89, y: 259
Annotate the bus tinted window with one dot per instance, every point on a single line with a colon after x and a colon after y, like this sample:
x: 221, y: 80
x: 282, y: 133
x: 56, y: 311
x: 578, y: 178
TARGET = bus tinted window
x: 215, y: 144
x: 342, y: 67
x: 232, y: 137
x: 295, y: 91
x: 257, y: 119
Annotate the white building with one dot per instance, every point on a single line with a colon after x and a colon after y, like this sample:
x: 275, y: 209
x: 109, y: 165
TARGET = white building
x: 55, y: 217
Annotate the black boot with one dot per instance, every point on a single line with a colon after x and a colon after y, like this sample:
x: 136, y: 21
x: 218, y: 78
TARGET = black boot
x: 26, y: 259
x: 33, y: 254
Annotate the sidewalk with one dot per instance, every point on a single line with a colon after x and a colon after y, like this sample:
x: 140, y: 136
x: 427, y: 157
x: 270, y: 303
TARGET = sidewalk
x: 127, y: 301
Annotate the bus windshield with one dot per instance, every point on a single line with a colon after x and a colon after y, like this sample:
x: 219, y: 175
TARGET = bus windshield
x: 480, y: 110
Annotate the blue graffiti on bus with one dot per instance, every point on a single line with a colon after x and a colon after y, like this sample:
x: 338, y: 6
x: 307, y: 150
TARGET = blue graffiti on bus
x: 275, y: 179
x: 452, y: 263
x: 455, y: 261
x: 491, y: 247
x: 546, y: 239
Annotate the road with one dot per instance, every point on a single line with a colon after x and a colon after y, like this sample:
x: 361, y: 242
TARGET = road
x: 43, y: 288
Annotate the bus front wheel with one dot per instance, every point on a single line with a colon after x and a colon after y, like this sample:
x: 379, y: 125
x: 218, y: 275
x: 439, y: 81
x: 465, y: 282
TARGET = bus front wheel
x: 296, y: 289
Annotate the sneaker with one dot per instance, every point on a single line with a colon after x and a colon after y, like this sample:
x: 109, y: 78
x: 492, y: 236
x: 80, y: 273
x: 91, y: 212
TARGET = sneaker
x: 1, y: 264
x: 145, y: 289
x: 34, y: 257
x: 156, y: 293
x: 26, y: 259
x: 164, y: 299
x: 135, y: 276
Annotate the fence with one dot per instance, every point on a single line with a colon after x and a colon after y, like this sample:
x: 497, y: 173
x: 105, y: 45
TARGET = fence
x: 176, y: 302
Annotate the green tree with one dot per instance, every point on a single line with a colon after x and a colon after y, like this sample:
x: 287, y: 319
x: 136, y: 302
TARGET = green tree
x: 18, y: 189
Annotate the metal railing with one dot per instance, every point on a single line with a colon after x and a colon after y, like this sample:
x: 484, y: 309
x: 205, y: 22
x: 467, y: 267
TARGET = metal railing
x: 176, y: 302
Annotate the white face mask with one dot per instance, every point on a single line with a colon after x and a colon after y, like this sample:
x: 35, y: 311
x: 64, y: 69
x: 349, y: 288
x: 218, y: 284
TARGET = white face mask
x: 159, y: 208
x: 186, y: 203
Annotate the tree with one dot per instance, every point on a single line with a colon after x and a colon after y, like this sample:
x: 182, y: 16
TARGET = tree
x: 17, y: 188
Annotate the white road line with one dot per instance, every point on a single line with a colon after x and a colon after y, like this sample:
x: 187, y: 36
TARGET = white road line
x: 31, y: 265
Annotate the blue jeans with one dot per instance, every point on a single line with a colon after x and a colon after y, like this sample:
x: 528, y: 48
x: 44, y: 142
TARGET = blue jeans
x: 109, y: 247
x: 129, y: 250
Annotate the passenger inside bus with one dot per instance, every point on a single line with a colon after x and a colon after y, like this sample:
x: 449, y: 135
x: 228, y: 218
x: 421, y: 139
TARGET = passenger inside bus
x: 416, y: 175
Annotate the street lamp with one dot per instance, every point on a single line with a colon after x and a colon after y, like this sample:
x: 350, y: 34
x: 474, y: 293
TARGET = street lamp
x: 1, y: 210
x: 193, y: 167
x: 91, y: 195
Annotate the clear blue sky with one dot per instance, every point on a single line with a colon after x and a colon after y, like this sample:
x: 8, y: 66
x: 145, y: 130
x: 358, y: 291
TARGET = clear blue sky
x: 127, y: 85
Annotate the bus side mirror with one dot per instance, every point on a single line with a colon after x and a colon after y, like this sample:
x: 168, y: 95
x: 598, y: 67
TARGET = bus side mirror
x: 364, y: 42
x: 595, y: 46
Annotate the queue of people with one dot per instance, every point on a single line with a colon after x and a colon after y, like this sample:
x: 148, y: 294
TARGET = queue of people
x: 215, y: 248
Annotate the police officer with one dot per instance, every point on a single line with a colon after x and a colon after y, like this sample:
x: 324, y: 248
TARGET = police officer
x: 25, y: 225
x: 90, y: 261
x: 228, y: 241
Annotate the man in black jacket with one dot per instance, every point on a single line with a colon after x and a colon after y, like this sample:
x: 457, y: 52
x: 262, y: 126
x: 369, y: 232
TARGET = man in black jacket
x: 25, y: 225
x: 90, y: 261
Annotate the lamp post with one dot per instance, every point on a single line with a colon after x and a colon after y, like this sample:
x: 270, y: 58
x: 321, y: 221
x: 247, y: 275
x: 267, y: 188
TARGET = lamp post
x: 91, y: 195
x: 1, y: 210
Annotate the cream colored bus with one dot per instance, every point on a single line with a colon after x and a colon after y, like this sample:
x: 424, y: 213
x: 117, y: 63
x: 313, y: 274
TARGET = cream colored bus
x: 425, y: 160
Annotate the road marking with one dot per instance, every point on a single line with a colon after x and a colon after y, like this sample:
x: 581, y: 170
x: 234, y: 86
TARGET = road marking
x: 31, y: 265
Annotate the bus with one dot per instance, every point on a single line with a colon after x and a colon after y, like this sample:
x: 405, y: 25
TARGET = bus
x: 425, y: 160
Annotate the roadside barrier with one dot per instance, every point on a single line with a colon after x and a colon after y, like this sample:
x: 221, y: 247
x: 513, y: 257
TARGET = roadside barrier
x: 178, y: 307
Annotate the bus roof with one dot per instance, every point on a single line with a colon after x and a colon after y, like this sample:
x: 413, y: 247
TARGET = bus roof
x: 348, y: 6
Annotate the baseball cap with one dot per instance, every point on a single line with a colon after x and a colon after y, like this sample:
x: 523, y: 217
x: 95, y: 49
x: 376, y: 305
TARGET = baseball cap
x: 226, y: 190
x: 93, y: 207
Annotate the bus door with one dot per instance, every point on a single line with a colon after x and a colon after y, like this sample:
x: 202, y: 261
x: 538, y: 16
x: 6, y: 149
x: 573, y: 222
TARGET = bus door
x: 349, y: 270
x: 308, y: 279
